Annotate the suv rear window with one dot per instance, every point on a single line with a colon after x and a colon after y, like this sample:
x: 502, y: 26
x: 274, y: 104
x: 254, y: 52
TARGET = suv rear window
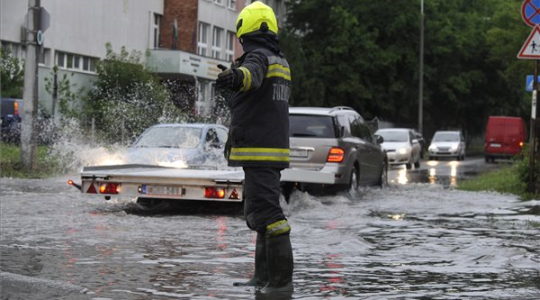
x: 311, y: 126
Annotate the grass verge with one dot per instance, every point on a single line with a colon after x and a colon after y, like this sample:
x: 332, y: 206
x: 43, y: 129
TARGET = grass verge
x: 504, y: 180
x: 11, y: 165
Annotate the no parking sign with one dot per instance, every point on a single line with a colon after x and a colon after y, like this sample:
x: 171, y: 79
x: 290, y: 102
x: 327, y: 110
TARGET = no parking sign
x: 530, y: 12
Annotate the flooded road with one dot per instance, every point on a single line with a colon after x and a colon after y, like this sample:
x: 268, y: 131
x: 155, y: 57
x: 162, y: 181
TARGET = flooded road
x: 409, y: 241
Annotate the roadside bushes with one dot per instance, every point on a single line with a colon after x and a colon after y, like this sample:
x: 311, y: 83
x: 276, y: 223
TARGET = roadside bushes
x: 127, y: 98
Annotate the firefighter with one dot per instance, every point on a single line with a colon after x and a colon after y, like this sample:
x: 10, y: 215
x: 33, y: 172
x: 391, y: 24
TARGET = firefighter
x: 260, y: 82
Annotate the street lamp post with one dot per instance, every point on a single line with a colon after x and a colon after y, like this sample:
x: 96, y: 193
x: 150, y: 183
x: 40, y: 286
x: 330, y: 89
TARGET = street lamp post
x: 421, y: 71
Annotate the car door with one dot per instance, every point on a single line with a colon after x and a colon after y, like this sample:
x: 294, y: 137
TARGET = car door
x: 367, y: 151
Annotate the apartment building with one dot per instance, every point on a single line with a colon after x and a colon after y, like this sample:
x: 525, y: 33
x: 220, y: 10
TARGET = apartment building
x: 186, y: 40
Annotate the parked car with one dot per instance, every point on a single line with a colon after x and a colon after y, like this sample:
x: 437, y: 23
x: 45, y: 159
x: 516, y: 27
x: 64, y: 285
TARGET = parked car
x: 504, y: 137
x: 401, y: 145
x: 447, y: 144
x: 338, y: 141
x: 10, y: 120
x: 180, y: 145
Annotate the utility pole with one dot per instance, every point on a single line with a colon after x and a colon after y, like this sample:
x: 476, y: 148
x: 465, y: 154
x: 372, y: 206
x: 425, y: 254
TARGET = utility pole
x: 421, y: 72
x: 30, y: 96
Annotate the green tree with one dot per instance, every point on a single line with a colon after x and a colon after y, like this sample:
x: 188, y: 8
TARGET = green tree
x: 127, y: 98
x: 12, y: 75
x: 68, y: 96
x: 365, y: 54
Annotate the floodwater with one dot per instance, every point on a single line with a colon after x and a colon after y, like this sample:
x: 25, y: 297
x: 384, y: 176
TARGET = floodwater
x: 415, y: 239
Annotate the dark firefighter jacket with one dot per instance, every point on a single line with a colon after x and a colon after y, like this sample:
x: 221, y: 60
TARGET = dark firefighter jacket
x: 260, y: 114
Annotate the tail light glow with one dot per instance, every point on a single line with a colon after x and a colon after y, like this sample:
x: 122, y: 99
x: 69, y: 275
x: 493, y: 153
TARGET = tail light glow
x: 109, y: 188
x: 16, y: 108
x: 521, y: 144
x: 214, y: 192
x: 336, y: 155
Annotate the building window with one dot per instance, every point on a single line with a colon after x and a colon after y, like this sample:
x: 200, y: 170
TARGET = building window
x: 75, y: 62
x: 60, y: 59
x: 220, y: 2
x: 155, y: 27
x: 202, y: 44
x: 230, y: 46
x: 216, y: 42
x: 231, y: 4
x: 69, y: 61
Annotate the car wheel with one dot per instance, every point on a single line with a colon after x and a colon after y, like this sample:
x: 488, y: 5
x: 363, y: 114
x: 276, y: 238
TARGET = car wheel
x: 409, y: 164
x: 383, y: 180
x: 149, y: 203
x: 354, y: 181
x: 417, y: 164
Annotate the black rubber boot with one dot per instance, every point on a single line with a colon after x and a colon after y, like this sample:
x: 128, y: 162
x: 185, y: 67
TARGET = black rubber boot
x: 280, y: 265
x: 260, y: 277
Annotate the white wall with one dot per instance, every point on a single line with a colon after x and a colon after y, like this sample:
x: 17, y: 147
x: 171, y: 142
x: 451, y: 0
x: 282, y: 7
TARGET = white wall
x: 83, y: 27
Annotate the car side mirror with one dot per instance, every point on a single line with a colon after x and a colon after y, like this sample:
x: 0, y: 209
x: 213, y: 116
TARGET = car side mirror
x: 379, y: 139
x: 415, y: 141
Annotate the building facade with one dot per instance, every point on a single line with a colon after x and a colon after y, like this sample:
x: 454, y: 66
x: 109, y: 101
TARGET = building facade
x: 185, y: 39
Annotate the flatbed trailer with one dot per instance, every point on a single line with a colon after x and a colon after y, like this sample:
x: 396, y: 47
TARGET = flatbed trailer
x: 157, y: 182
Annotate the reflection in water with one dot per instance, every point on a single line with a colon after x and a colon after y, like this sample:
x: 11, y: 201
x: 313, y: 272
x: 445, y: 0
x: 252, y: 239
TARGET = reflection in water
x: 396, y: 217
x: 222, y: 228
x: 432, y: 176
x: 402, y: 176
x: 446, y: 173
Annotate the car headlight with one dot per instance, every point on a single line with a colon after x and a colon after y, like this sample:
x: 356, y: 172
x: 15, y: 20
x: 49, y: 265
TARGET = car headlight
x: 432, y: 148
x: 454, y: 147
x: 402, y: 151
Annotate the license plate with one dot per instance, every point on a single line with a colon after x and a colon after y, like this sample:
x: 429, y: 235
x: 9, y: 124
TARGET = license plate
x: 298, y: 153
x: 162, y: 190
x: 495, y: 145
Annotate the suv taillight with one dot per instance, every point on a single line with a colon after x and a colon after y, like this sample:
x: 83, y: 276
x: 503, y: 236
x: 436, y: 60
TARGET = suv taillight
x: 336, y: 155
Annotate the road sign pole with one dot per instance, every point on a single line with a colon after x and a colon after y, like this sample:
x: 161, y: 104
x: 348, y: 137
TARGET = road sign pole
x: 532, y: 139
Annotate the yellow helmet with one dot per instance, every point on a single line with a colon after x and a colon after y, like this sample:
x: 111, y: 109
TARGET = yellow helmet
x: 253, y: 17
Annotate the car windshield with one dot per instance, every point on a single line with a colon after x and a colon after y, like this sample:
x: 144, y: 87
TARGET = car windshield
x: 394, y: 136
x: 311, y: 126
x: 446, y: 137
x: 170, y: 137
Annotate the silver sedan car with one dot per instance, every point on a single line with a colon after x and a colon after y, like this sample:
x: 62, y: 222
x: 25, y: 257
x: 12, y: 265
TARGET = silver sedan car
x: 401, y: 146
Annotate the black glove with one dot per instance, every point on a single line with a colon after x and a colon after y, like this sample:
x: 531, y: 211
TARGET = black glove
x: 229, y: 78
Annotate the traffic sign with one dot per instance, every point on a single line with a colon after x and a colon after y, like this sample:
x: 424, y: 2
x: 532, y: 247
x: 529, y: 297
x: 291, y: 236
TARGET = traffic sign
x: 39, y: 37
x: 530, y: 12
x: 44, y: 19
x: 531, y: 48
x: 530, y: 82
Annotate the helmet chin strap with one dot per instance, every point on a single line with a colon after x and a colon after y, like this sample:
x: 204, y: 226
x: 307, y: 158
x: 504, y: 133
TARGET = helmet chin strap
x: 264, y: 27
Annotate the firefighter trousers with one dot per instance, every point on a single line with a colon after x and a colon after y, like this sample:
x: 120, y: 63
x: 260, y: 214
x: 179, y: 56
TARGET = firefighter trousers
x: 261, y: 200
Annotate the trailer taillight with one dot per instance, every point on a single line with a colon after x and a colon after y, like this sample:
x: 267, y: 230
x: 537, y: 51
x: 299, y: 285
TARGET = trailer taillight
x: 70, y: 182
x: 214, y: 192
x: 109, y: 188
x: 521, y: 144
x: 336, y: 155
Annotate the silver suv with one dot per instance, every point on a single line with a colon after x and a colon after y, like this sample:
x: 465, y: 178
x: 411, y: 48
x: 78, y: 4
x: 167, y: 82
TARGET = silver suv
x: 337, y: 141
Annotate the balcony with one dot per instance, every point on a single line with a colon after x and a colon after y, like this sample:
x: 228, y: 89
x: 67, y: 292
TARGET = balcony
x: 176, y: 63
